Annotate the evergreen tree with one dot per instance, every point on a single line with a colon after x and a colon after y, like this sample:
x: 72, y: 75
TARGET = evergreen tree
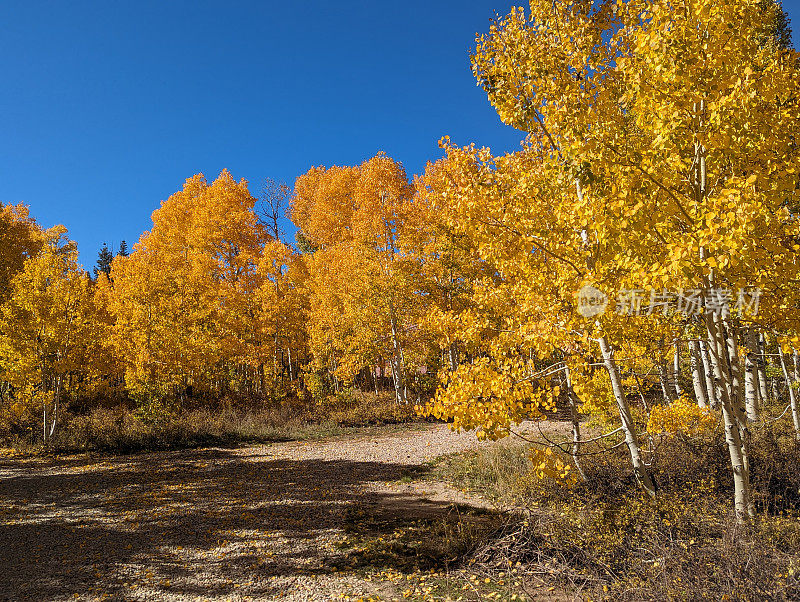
x: 304, y: 245
x: 783, y: 28
x: 777, y: 23
x: 123, y: 249
x: 104, y: 259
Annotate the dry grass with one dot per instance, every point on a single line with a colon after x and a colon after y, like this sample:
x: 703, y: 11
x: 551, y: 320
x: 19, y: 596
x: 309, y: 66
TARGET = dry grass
x: 603, y: 539
x: 125, y: 428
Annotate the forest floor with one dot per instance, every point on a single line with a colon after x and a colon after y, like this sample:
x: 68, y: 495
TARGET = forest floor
x: 345, y: 517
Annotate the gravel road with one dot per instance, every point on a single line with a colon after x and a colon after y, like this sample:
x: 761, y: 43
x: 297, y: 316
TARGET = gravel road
x: 253, y: 523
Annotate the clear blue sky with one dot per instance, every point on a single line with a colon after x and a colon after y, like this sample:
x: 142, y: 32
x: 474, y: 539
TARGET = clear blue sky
x: 106, y: 107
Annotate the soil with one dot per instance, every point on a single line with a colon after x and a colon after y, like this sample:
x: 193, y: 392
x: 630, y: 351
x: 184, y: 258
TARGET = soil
x: 262, y: 522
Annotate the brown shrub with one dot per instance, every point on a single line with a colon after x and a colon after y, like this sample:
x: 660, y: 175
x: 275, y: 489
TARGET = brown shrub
x: 605, y: 539
x: 163, y: 424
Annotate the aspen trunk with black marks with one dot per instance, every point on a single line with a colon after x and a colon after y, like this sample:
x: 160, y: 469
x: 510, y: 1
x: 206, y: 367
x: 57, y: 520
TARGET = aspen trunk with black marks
x: 730, y: 332
x: 576, y: 425
x: 56, y: 402
x: 751, y: 378
x: 796, y: 361
x: 44, y: 411
x: 628, y: 426
x: 676, y: 370
x: 640, y: 390
x: 762, y: 368
x: 721, y: 345
x: 397, y: 361
x: 750, y: 389
x: 50, y: 415
x: 452, y: 356
x: 398, y: 387
x: 667, y: 390
x: 275, y: 371
x: 792, y: 394
x: 735, y: 434
x: 698, y: 377
x: 335, y: 378
x: 711, y: 382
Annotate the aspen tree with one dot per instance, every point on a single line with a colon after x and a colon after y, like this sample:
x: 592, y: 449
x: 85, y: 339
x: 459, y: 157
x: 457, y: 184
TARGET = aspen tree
x: 360, y: 281
x: 47, y: 325
x: 677, y: 122
x: 183, y: 301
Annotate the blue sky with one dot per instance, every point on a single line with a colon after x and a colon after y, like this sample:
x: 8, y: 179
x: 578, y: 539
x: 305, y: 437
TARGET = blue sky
x: 107, y: 107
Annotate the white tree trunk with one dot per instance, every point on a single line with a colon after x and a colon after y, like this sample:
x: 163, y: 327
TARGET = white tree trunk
x: 452, y: 354
x: 730, y: 332
x: 796, y: 360
x: 750, y: 389
x: 698, y: 377
x: 398, y: 363
x: 396, y: 380
x: 628, y: 427
x: 762, y: 369
x: 708, y: 373
x: 751, y: 378
x: 663, y: 377
x: 576, y: 425
x: 56, y: 399
x: 676, y: 370
x: 792, y: 395
x: 737, y: 450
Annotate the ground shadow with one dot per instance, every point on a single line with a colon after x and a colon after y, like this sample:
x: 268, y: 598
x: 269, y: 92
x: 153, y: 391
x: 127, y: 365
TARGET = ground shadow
x: 209, y: 523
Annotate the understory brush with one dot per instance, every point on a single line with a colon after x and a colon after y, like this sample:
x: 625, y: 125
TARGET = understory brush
x: 128, y: 426
x: 604, y: 539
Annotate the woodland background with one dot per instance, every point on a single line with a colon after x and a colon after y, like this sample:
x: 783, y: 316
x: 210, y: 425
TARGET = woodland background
x: 662, y: 153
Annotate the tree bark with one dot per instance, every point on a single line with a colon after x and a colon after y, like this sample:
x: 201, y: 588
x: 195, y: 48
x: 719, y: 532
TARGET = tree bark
x: 708, y: 373
x: 576, y: 425
x: 792, y: 395
x: 628, y: 427
x: 751, y: 379
x: 676, y: 370
x: 796, y: 360
x: 730, y: 331
x: 397, y: 361
x: 698, y: 378
x: 452, y: 354
x: 762, y: 368
x: 663, y: 377
x: 734, y: 432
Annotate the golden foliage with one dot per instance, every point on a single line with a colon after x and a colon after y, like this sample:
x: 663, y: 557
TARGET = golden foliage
x: 681, y: 416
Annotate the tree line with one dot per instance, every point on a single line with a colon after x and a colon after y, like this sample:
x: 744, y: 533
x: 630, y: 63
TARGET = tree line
x: 660, y: 167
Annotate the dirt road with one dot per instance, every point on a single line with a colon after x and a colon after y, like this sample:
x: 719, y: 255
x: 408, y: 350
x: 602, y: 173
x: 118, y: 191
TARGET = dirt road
x: 266, y: 522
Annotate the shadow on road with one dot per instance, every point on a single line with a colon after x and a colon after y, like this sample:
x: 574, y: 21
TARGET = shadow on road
x: 210, y: 523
